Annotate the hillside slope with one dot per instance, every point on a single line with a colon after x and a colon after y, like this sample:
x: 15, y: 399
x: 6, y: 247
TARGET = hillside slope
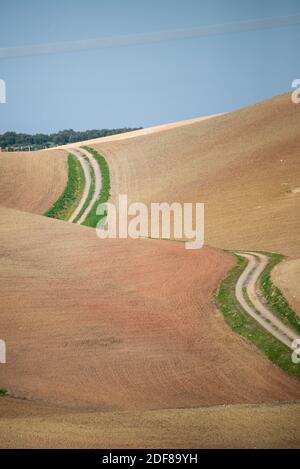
x: 26, y: 424
x: 32, y: 181
x: 121, y: 324
x: 286, y: 277
x: 243, y: 165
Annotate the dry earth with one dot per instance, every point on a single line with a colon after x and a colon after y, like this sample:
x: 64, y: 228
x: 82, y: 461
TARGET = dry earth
x: 32, y: 425
x: 137, y: 133
x: 32, y: 181
x: 117, y: 342
x: 286, y: 277
x: 121, y: 324
x: 243, y: 165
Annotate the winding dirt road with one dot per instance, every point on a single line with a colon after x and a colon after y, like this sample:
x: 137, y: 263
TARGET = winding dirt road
x: 88, y: 180
x: 248, y: 280
x: 88, y: 166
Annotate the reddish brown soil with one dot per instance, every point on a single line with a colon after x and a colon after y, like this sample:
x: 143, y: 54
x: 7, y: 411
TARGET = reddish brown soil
x: 120, y: 324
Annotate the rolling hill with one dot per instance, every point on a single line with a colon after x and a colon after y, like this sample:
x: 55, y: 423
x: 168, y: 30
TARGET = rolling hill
x: 120, y: 341
x: 243, y: 165
x: 26, y: 424
x: 121, y: 324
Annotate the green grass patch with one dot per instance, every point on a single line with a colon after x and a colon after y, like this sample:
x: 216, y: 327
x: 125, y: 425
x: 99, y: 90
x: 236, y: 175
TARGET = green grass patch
x: 4, y: 392
x: 243, y: 324
x: 273, y: 296
x: 92, y: 219
x: 70, y: 198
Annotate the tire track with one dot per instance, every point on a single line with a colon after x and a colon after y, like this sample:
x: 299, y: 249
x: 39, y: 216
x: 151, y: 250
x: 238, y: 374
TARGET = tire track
x: 88, y: 181
x: 256, y: 264
x: 92, y: 165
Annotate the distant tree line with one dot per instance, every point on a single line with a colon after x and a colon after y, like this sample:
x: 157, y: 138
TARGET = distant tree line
x: 14, y: 141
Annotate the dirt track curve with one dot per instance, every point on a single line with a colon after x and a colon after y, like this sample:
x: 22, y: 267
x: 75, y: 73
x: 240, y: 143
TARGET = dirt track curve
x: 87, y: 167
x: 248, y: 280
x: 88, y: 181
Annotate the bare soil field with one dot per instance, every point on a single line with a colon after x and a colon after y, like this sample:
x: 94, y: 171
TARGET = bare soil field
x: 121, y: 324
x: 118, y: 342
x: 243, y: 165
x: 25, y: 424
x: 286, y: 276
x: 136, y: 133
x: 32, y: 181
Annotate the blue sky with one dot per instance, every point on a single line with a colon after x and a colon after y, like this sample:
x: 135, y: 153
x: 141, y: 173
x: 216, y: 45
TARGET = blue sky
x: 140, y: 85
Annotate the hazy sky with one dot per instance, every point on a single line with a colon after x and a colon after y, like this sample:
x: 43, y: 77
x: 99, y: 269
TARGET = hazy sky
x: 140, y: 85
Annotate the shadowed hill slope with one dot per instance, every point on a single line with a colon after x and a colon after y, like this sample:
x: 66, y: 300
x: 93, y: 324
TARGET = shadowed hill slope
x: 32, y: 181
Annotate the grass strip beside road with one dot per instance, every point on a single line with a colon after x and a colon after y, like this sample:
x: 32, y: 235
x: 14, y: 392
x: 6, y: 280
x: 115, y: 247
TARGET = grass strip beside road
x: 273, y: 296
x: 246, y: 326
x: 70, y: 198
x: 92, y: 219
